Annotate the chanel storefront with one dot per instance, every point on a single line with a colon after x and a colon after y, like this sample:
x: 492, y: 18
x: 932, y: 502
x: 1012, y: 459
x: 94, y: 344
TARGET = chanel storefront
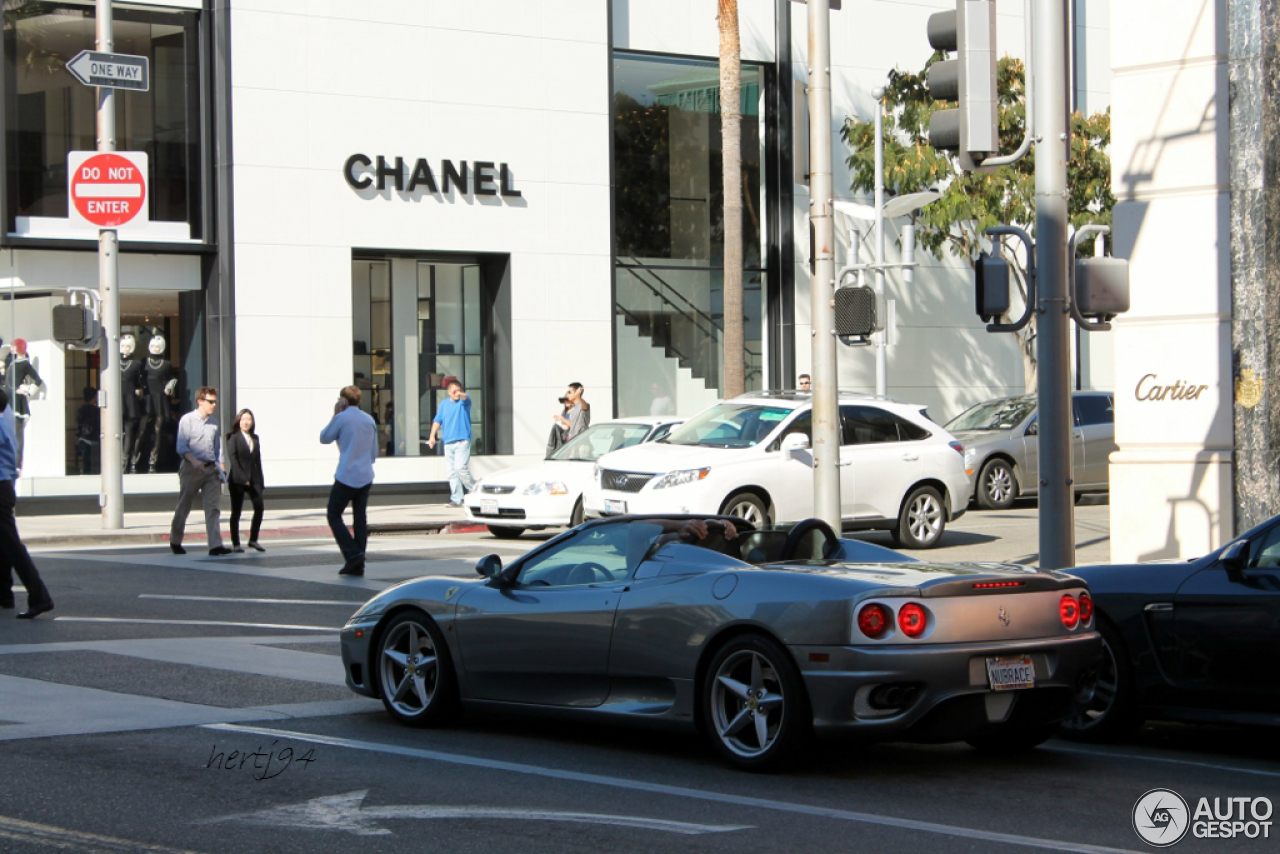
x: 516, y: 193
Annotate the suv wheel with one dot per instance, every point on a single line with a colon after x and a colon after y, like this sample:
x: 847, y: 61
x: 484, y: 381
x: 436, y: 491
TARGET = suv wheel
x: 922, y: 520
x: 748, y: 507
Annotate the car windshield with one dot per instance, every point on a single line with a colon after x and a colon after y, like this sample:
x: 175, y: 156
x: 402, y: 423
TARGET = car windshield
x: 596, y: 441
x: 730, y: 425
x: 994, y: 415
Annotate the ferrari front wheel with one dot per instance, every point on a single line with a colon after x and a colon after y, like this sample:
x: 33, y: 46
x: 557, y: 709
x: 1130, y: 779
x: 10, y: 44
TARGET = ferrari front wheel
x: 754, y: 706
x: 415, y: 675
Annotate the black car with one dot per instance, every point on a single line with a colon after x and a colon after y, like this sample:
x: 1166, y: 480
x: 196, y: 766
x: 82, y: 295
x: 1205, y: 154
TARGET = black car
x: 1195, y: 642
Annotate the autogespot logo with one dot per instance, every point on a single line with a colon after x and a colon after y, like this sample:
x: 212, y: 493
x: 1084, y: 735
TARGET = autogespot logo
x: 1160, y: 817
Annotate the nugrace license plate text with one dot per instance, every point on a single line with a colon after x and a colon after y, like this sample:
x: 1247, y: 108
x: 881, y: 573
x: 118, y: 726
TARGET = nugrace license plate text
x: 1009, y: 672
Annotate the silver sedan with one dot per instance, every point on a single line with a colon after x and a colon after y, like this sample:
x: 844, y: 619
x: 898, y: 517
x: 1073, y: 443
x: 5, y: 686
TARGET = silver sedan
x: 760, y: 639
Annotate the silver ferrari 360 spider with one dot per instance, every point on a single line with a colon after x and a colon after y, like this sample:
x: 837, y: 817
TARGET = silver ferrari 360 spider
x: 758, y: 638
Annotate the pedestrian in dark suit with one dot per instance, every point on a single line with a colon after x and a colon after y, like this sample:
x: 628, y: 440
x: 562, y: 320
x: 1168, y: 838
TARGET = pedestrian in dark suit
x: 13, y: 554
x: 242, y: 460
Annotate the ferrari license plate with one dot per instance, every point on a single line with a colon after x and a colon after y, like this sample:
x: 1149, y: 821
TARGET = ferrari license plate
x: 489, y: 508
x: 1010, y: 672
x: 615, y: 507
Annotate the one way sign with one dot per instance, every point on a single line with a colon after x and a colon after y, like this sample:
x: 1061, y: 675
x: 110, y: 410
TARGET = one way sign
x: 111, y: 70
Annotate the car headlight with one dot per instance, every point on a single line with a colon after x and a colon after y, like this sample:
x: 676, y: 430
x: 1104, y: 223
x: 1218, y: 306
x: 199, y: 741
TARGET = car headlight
x: 680, y: 478
x: 546, y: 487
x: 370, y: 610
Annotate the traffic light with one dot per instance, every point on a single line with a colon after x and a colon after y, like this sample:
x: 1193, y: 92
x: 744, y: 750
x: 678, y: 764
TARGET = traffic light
x: 856, y: 315
x: 76, y: 323
x: 972, y: 129
x: 991, y: 289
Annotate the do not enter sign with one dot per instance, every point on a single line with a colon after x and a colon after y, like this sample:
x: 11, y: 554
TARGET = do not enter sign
x: 109, y: 189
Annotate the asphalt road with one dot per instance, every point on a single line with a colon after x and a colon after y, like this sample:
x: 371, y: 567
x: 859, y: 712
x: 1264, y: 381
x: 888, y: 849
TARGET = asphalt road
x: 196, y: 704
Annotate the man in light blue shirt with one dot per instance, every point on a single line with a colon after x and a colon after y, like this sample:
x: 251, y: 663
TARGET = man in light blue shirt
x: 357, y: 436
x: 13, y: 554
x: 453, y: 424
x: 200, y: 447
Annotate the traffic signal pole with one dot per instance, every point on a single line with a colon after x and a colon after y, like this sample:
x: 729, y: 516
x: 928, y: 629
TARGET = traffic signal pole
x: 1053, y: 342
x: 826, y: 396
x: 109, y: 380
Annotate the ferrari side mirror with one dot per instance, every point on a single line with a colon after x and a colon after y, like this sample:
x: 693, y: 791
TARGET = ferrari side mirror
x: 490, y: 566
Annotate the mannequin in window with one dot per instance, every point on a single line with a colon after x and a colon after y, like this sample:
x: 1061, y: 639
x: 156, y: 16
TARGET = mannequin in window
x: 132, y: 389
x: 24, y: 383
x: 161, y: 378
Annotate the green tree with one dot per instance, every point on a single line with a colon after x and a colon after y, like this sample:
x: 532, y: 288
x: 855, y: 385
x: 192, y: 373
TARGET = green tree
x: 974, y: 201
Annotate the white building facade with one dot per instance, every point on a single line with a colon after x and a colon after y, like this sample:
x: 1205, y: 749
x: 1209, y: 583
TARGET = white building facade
x: 516, y: 193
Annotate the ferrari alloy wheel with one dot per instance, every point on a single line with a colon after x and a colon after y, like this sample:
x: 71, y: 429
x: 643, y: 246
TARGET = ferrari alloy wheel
x: 415, y: 677
x: 922, y: 520
x: 747, y: 506
x: 755, y: 708
x: 1104, y: 708
x: 997, y: 486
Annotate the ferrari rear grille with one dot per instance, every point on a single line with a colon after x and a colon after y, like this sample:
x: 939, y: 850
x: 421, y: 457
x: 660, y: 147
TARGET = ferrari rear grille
x: 497, y: 490
x: 623, y: 481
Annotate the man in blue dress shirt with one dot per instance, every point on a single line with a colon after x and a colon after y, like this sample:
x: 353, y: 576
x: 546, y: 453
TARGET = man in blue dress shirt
x: 200, y: 447
x: 357, y: 436
x: 453, y: 424
x: 13, y: 554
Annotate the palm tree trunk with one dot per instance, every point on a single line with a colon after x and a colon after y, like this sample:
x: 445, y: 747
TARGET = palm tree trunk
x: 731, y: 142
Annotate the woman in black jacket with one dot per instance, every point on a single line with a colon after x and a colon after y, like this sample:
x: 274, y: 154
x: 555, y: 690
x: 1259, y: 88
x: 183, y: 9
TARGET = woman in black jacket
x: 242, y: 455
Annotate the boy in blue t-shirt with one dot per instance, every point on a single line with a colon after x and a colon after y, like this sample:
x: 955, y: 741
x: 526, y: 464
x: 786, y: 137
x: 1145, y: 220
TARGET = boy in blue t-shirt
x: 453, y: 425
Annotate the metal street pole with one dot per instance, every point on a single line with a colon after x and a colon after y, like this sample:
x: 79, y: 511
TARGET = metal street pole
x: 882, y: 368
x: 1057, y: 507
x: 826, y: 395
x: 109, y: 371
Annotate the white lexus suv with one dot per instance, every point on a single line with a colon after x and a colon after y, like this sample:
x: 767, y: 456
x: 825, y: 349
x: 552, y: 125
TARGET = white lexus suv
x: 750, y: 457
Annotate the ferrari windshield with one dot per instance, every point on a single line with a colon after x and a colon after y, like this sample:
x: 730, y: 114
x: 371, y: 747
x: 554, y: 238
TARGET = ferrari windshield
x: 994, y: 415
x: 596, y: 441
x: 730, y: 425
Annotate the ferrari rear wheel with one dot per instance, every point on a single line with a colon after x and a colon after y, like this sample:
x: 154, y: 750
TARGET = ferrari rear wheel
x: 415, y: 675
x: 754, y: 705
x: 1105, y: 705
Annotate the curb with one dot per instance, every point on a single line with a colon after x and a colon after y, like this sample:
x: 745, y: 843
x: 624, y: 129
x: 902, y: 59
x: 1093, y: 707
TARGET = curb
x: 162, y: 539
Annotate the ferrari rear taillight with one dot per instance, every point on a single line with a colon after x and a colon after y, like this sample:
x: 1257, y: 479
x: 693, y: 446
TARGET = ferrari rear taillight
x: 1086, y: 607
x: 912, y: 620
x: 1069, y: 610
x: 873, y: 620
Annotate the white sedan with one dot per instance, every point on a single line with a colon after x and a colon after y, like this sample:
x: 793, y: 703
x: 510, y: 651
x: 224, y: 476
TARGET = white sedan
x: 549, y: 493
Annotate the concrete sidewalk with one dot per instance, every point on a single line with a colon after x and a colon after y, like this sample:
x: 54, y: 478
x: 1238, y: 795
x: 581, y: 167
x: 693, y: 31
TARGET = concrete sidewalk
x: 48, y: 531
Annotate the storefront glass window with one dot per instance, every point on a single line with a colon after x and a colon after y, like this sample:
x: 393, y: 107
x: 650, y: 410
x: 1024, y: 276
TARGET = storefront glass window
x: 415, y: 325
x: 154, y: 383
x: 669, y: 232
x: 51, y: 113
